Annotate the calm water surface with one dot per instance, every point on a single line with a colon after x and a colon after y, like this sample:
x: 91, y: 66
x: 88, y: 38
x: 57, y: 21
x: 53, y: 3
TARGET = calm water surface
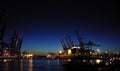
x: 40, y: 64
x: 43, y: 64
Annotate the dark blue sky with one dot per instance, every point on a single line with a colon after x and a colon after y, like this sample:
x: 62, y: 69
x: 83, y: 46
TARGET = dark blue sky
x: 44, y: 23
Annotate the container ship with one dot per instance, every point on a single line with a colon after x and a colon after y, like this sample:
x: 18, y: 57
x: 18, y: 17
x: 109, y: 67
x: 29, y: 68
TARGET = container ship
x: 82, y: 55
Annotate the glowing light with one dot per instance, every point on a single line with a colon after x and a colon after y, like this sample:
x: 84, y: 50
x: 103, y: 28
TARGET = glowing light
x: 60, y: 52
x: 98, y: 61
x: 90, y: 52
x: 98, y: 50
x: 69, y: 60
x: 27, y: 55
x: 69, y: 52
x: 113, y: 58
x: 5, y: 60
x: 119, y: 58
x: 30, y: 55
x: 84, y: 60
x: 75, y: 47
x: 48, y: 56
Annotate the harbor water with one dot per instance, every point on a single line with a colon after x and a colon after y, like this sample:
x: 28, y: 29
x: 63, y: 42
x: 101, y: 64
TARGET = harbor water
x: 37, y: 64
x: 42, y: 64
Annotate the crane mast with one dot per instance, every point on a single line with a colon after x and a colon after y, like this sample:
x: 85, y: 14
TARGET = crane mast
x: 81, y: 44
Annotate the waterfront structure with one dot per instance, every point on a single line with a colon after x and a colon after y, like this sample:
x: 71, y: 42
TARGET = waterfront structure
x: 71, y: 50
x: 84, y: 54
x: 13, y: 48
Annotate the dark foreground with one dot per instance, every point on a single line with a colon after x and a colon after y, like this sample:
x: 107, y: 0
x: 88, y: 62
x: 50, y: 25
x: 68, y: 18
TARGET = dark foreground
x: 75, y: 67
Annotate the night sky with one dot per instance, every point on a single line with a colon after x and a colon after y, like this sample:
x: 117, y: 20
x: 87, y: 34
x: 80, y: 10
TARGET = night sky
x: 43, y: 23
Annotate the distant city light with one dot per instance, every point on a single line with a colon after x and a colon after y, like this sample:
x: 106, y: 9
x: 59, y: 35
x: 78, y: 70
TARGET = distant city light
x: 60, y: 51
x: 98, y: 50
x: 75, y: 47
x: 27, y: 55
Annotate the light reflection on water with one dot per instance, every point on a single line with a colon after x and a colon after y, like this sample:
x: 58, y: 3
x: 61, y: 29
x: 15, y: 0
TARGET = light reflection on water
x: 30, y: 65
x: 42, y: 64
